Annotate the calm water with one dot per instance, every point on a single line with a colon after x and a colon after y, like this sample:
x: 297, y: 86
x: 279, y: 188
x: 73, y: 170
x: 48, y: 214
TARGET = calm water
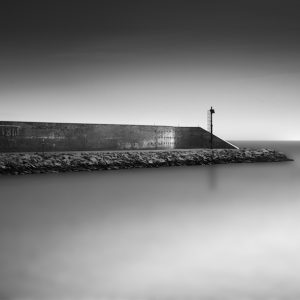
x: 202, y: 232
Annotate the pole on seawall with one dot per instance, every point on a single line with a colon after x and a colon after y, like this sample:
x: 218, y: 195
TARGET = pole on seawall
x: 212, y: 111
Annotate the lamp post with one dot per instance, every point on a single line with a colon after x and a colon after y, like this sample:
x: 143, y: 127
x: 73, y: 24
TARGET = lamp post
x: 212, y: 111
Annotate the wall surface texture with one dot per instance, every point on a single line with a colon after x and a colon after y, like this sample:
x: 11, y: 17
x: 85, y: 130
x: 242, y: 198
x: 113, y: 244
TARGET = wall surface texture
x: 40, y: 136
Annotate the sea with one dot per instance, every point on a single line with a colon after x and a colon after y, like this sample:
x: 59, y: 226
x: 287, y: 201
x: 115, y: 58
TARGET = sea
x: 222, y: 232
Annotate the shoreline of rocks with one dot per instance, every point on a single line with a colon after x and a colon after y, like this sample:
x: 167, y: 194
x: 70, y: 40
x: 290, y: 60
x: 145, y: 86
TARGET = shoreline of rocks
x: 54, y: 162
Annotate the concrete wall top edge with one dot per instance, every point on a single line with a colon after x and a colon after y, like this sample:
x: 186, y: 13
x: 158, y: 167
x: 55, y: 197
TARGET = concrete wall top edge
x: 102, y: 124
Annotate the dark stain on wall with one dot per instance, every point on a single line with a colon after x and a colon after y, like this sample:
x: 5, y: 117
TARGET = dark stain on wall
x: 40, y: 136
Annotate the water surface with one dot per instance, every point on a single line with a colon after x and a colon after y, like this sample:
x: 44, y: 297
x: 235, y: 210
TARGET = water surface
x: 201, y: 232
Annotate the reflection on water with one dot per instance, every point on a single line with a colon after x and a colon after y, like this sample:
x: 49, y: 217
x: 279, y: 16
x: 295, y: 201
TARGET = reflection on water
x: 213, y: 180
x: 210, y: 232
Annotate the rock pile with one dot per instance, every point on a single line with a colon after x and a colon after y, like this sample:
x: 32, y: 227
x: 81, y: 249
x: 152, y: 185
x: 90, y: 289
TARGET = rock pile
x: 27, y: 163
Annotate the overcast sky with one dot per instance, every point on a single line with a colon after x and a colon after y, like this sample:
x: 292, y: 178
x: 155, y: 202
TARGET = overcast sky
x: 154, y: 62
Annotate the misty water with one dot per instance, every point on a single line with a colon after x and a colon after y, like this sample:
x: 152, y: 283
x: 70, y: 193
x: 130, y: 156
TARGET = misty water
x: 200, y: 232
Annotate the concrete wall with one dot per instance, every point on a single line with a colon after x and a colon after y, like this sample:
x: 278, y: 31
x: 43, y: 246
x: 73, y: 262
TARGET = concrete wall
x: 38, y: 136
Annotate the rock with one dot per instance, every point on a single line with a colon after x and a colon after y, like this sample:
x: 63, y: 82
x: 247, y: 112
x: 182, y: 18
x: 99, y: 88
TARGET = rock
x: 62, y: 162
x: 93, y: 159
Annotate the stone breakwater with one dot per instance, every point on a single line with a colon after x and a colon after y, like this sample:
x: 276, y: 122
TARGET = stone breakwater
x: 28, y: 163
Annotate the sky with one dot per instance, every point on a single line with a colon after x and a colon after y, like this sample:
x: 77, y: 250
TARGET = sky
x: 154, y: 62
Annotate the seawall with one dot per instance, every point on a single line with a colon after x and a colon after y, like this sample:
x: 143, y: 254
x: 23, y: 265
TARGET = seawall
x: 51, y: 162
x: 43, y: 136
